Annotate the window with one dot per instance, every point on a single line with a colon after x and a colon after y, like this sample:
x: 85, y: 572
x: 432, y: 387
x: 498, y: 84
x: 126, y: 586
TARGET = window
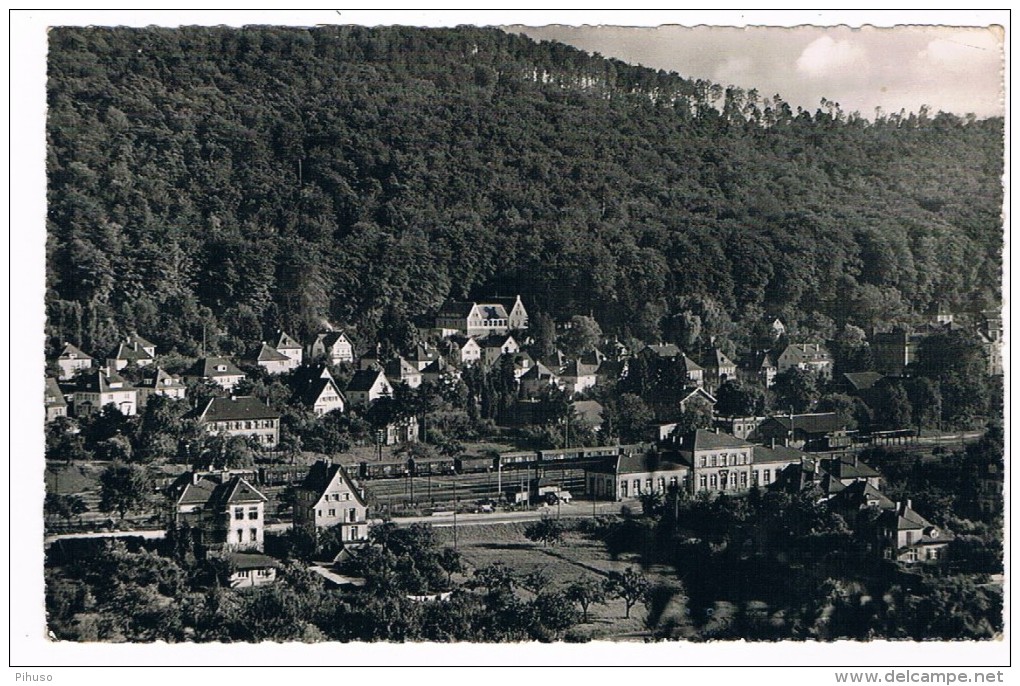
x: 767, y: 475
x: 238, y: 513
x: 347, y: 496
x: 332, y: 513
x: 703, y: 482
x: 743, y: 479
x: 623, y: 489
x: 352, y: 515
x: 754, y: 478
x: 319, y: 513
x: 253, y: 513
x: 704, y: 461
x: 354, y: 532
x: 648, y: 485
x: 244, y: 573
x: 714, y: 481
x: 637, y: 486
x: 253, y: 535
x: 910, y: 537
x: 715, y: 460
x: 673, y: 482
x: 240, y: 535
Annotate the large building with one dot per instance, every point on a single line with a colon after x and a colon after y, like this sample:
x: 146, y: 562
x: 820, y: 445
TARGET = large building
x: 217, y: 370
x: 809, y: 357
x: 327, y: 498
x: 634, y: 473
x: 244, y: 416
x: 96, y: 390
x: 498, y: 316
x: 816, y: 431
x: 719, y: 463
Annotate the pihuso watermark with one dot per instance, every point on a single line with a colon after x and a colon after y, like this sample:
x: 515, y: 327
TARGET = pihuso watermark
x: 29, y: 676
x: 907, y: 676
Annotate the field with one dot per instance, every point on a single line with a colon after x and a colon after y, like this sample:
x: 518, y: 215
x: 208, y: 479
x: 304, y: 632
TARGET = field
x: 576, y: 556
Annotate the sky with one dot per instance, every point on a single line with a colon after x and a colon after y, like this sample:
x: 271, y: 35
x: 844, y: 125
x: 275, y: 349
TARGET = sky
x: 954, y: 69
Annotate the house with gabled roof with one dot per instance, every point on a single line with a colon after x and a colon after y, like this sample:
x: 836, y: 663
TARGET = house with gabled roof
x: 223, y: 509
x: 95, y: 390
x: 56, y: 406
x: 217, y: 370
x: 423, y: 355
x: 160, y: 382
x: 335, y: 346
x: 132, y: 351
x: 537, y: 380
x: 905, y: 536
x: 438, y: 371
x: 858, y: 497
x: 718, y: 368
x: 398, y: 371
x: 815, y: 431
x: 244, y: 416
x: 769, y: 462
x: 810, y: 357
x: 468, y: 318
x: 285, y: 345
x: 271, y: 359
x: 367, y: 386
x: 328, y: 497
x: 578, y: 377
x: 759, y: 367
x: 497, y: 345
x: 71, y: 361
x: 318, y: 390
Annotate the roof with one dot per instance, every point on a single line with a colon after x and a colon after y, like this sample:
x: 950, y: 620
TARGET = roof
x: 266, y: 353
x: 314, y: 388
x: 589, y: 410
x: 321, y: 474
x: 818, y: 423
x: 577, y: 369
x: 439, y: 366
x: 161, y: 379
x: 689, y: 365
x: 664, y: 350
x: 492, y: 311
x: 205, y: 368
x: 496, y: 340
x: 778, y: 454
x: 689, y: 393
x: 54, y: 396
x: 717, y: 360
x: 72, y: 352
x: 808, y: 352
x: 423, y: 354
x: 101, y: 382
x: 129, y: 352
x: 848, y: 468
x: 331, y: 338
x: 215, y: 490
x: 643, y: 462
x: 400, y: 368
x: 859, y: 493
x: 862, y: 381
x: 906, y: 518
x: 702, y: 439
x: 237, y: 408
x: 364, y: 379
x: 538, y: 371
x: 243, y: 561
x: 285, y: 342
x: 135, y: 339
x: 456, y: 308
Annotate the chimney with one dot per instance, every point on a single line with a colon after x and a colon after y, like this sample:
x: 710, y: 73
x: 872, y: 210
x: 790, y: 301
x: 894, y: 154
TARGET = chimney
x: 772, y: 442
x: 909, y: 505
x: 194, y: 477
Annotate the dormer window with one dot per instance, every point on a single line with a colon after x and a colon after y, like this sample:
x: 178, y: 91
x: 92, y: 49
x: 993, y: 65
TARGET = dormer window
x: 221, y: 367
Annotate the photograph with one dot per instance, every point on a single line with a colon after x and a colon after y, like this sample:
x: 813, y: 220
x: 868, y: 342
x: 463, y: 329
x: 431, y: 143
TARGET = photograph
x: 424, y: 333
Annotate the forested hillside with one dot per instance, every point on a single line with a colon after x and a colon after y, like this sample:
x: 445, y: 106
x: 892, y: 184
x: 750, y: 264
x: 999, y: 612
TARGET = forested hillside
x: 226, y: 182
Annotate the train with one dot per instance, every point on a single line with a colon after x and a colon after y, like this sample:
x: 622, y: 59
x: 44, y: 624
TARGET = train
x: 471, y: 464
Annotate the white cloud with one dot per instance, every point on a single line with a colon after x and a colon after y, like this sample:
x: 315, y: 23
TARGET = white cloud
x: 962, y: 52
x: 825, y: 57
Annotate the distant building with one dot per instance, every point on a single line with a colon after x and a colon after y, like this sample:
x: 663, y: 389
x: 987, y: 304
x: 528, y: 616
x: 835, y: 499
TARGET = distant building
x: 718, y: 368
x: 423, y: 355
x: 96, y: 390
x: 327, y: 497
x: 56, y: 406
x: 770, y: 462
x: 217, y: 370
x: 590, y: 412
x: 745, y: 428
x: 905, y: 536
x: 224, y: 510
x: 818, y: 431
x: 778, y: 328
x: 578, y: 377
x: 71, y: 361
x: 286, y: 345
x: 894, y: 351
x: 536, y: 380
x: 499, y: 316
x: 809, y: 357
x: 317, y: 389
x: 133, y: 351
x: 160, y: 382
x: 497, y: 345
x: 367, y: 386
x: 272, y: 360
x: 335, y: 346
x: 398, y: 370
x: 632, y: 474
x: 719, y: 463
x: 759, y: 368
x: 461, y: 350
x: 244, y: 416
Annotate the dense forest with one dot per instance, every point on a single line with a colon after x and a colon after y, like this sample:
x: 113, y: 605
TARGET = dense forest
x: 214, y: 183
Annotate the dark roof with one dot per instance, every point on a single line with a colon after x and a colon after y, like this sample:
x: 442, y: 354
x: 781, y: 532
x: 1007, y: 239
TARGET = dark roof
x: 818, y: 423
x: 314, y: 388
x: 131, y: 353
x: 330, y: 338
x: 101, y: 382
x: 161, y: 379
x: 862, y: 381
x: 848, y: 468
x: 364, y: 379
x: 859, y: 493
x: 492, y: 311
x: 72, y: 352
x: 54, y: 396
x: 439, y: 366
x: 642, y: 462
x: 691, y: 391
x: 538, y: 371
x: 703, y: 439
x: 664, y: 350
x: 237, y: 408
x: 689, y: 365
x: 215, y: 490
x: 496, y: 340
x: 589, y: 410
x: 267, y: 353
x: 205, y: 368
x: 612, y: 369
x: 321, y: 474
x: 780, y: 453
x: 717, y: 360
x: 286, y: 342
x: 574, y: 368
x: 808, y: 352
x: 423, y: 354
x: 399, y: 368
x: 135, y: 339
x: 456, y: 308
x: 243, y: 561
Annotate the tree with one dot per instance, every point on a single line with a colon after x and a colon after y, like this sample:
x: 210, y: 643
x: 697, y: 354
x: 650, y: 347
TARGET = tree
x: 696, y: 413
x: 555, y: 610
x: 494, y: 578
x: 582, y: 336
x: 891, y: 405
x: 738, y: 399
x: 586, y: 591
x: 631, y: 587
x: 794, y: 390
x: 123, y: 488
x: 547, y: 531
x: 925, y: 401
x: 452, y: 563
x: 64, y: 506
x: 632, y: 417
x: 956, y: 361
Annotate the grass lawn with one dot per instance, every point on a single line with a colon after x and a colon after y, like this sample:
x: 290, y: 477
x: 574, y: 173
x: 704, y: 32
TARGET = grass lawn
x: 575, y: 557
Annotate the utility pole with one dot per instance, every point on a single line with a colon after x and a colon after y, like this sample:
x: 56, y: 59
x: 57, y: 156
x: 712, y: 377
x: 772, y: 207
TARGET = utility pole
x: 455, y: 513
